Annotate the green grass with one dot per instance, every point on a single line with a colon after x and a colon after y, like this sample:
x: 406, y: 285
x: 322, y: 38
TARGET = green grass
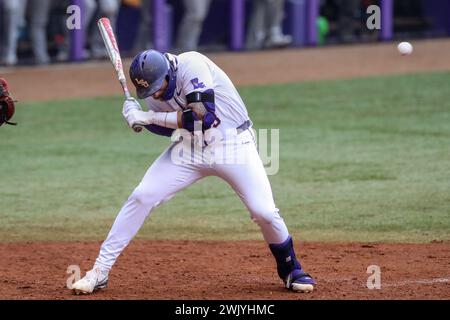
x: 360, y: 160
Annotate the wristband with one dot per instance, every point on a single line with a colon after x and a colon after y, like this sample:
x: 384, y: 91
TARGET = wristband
x: 166, y: 119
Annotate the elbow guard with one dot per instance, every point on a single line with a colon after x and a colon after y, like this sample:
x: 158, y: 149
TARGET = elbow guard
x: 209, y: 119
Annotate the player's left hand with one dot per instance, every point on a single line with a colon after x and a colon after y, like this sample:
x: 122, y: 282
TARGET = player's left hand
x: 138, y: 117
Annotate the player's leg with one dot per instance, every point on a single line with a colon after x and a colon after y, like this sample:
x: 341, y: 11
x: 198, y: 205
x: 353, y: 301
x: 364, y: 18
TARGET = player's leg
x: 90, y: 6
x: 38, y: 28
x: 14, y: 17
x: 256, y: 28
x: 162, y: 180
x: 276, y: 38
x: 191, y: 25
x: 109, y: 9
x: 144, y: 37
x: 89, y: 9
x: 250, y: 182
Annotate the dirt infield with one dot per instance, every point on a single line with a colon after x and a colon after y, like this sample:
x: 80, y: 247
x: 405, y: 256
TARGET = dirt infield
x: 231, y: 270
x: 247, y: 68
x: 227, y: 270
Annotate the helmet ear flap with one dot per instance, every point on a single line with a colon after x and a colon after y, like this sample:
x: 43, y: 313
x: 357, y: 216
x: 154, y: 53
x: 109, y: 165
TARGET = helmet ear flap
x: 171, y: 78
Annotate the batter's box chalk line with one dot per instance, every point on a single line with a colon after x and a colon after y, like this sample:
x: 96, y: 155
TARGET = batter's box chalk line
x: 420, y: 281
x: 392, y: 284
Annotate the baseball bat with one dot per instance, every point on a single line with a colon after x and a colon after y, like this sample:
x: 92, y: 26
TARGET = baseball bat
x: 109, y: 39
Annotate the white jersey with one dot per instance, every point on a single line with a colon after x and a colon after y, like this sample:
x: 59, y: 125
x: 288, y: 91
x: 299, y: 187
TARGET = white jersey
x: 196, y: 72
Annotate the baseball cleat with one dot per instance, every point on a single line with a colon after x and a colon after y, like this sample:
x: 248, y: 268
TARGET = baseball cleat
x: 93, y: 280
x: 299, y: 281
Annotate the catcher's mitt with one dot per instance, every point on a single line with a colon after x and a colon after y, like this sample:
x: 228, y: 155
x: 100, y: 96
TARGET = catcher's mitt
x: 7, y: 107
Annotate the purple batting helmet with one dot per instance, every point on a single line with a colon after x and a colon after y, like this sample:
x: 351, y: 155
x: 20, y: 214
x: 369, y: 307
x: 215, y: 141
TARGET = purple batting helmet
x: 148, y: 72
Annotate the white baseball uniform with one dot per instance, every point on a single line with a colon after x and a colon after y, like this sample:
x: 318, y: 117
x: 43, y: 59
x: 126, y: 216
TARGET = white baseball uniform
x: 166, y: 177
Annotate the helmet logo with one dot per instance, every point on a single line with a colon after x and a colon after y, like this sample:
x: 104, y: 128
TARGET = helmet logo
x: 142, y: 83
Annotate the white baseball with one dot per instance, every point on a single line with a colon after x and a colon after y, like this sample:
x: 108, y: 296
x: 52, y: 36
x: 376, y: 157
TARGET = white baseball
x: 405, y: 48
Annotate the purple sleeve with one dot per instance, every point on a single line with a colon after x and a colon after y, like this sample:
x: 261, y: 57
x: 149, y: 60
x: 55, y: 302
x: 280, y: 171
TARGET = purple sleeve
x: 209, y: 119
x: 210, y: 106
x: 162, y: 131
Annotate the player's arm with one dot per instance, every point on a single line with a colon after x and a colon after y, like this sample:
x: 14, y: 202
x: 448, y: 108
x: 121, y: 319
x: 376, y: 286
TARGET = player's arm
x: 200, y: 104
x: 198, y: 86
x: 163, y: 123
x: 201, y: 107
x: 156, y: 122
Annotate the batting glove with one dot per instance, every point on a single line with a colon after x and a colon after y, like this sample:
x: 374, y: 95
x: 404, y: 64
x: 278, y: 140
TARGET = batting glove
x: 135, y: 117
x: 130, y: 104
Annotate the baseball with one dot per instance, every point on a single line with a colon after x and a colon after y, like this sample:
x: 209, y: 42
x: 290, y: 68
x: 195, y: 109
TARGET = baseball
x: 405, y: 48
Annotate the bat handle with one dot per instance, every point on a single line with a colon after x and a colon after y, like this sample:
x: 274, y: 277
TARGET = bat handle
x: 126, y: 92
x: 137, y: 128
x: 128, y: 96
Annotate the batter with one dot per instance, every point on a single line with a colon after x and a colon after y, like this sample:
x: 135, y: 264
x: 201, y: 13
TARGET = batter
x: 192, y: 100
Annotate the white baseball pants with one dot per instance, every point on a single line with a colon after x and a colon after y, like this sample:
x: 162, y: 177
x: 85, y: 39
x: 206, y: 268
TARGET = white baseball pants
x: 165, y: 178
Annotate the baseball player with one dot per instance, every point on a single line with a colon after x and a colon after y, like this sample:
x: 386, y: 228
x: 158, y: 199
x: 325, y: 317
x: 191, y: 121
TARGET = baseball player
x: 190, y: 94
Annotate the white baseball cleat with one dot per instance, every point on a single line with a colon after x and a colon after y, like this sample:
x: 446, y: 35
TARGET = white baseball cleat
x: 299, y: 287
x: 300, y: 281
x: 93, y: 280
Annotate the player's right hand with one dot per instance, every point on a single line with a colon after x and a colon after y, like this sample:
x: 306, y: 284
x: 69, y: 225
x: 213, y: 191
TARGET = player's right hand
x: 130, y: 104
x: 129, y: 107
x: 135, y: 117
